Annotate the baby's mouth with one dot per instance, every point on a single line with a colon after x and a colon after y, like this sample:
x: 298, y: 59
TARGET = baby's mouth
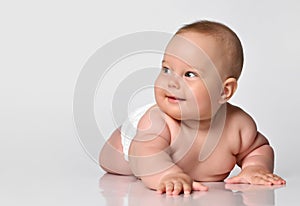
x: 174, y: 99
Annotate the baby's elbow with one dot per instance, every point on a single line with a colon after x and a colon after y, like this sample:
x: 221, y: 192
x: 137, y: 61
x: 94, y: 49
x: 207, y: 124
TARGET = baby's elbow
x: 262, y: 139
x: 261, y: 156
x: 262, y: 147
x: 265, y: 150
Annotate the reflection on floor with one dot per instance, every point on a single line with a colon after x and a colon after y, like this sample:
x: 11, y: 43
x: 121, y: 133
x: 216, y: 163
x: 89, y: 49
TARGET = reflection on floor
x: 127, y: 190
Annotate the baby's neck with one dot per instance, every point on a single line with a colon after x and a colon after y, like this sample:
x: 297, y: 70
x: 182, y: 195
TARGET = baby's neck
x: 204, y: 125
x: 201, y: 125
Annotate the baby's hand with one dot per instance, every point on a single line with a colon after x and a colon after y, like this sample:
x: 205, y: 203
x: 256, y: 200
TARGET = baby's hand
x: 257, y: 176
x: 175, y: 183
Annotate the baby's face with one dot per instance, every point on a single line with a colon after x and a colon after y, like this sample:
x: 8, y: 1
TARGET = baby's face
x: 189, y: 85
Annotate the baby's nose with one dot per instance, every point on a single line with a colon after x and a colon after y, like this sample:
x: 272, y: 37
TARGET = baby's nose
x: 174, y: 82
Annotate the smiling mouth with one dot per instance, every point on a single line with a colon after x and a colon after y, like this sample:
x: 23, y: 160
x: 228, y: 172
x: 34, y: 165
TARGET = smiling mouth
x: 175, y: 99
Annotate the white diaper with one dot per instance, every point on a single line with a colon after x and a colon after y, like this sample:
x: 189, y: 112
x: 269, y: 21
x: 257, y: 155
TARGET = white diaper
x: 129, y: 127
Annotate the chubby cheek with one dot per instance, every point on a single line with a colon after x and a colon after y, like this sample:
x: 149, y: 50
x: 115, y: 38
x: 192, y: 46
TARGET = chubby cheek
x: 160, y: 83
x: 158, y: 92
x: 160, y: 88
x: 202, y: 102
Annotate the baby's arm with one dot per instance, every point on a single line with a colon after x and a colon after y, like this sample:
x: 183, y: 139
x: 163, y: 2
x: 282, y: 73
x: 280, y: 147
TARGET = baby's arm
x: 149, y: 157
x: 256, y: 157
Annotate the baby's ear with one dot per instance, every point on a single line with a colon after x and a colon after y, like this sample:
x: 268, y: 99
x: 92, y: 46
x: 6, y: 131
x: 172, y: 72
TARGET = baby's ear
x: 229, y: 87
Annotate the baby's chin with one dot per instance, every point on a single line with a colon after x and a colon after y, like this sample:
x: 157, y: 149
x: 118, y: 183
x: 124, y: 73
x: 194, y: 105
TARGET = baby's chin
x: 186, y: 113
x: 190, y: 116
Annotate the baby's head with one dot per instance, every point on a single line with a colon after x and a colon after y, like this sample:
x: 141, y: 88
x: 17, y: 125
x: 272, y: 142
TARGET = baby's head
x: 228, y: 43
x: 202, y: 62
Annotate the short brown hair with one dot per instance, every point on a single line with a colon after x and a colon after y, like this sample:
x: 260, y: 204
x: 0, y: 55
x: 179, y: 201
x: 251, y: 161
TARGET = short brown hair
x: 233, y: 50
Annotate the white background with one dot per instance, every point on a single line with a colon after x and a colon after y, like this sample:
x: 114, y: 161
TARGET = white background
x: 44, y: 45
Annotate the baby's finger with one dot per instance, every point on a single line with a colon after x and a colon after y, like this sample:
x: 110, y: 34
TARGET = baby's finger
x: 161, y: 188
x: 187, y: 189
x: 276, y: 180
x: 169, y: 188
x: 260, y: 180
x: 199, y: 187
x: 177, y: 188
x: 235, y: 180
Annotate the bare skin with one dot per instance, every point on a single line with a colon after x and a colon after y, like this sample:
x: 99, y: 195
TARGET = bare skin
x: 252, y: 153
x: 191, y: 136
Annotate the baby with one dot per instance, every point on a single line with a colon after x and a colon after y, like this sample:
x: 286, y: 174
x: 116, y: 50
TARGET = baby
x: 192, y: 134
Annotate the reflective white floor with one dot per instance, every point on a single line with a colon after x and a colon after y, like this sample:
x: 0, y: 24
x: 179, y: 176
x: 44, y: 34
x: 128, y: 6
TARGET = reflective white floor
x: 65, y: 183
x: 124, y: 190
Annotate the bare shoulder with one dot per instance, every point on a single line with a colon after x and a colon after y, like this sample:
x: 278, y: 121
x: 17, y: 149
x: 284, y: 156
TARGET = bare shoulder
x: 249, y: 138
x: 154, y: 122
x: 241, y: 119
x: 244, y: 124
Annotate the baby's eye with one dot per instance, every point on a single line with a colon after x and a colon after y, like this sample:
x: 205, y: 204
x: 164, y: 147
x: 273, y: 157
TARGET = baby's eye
x: 190, y: 74
x: 166, y: 70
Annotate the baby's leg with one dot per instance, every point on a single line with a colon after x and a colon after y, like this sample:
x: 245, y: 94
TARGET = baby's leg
x: 111, y: 156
